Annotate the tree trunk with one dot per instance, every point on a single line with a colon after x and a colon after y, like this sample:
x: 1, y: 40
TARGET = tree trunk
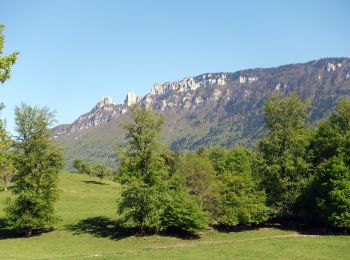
x: 141, y: 231
x: 5, y: 182
x: 29, y: 232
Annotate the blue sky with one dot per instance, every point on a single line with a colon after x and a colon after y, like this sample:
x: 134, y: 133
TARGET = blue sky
x: 74, y: 52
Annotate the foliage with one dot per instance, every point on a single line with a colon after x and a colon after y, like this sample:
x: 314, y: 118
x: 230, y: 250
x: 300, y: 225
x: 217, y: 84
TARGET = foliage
x: 182, y: 212
x: 83, y: 167
x: 201, y: 181
x: 218, y: 157
x: 99, y: 170
x: 6, y: 154
x: 5, y: 61
x: 142, y: 205
x: 147, y: 196
x: 331, y: 135
x: 37, y: 162
x: 239, y: 162
x: 77, y: 164
x: 224, y: 184
x: 143, y: 158
x: 282, y: 158
x: 6, y: 164
x: 332, y: 198
x: 328, y: 198
x: 242, y: 202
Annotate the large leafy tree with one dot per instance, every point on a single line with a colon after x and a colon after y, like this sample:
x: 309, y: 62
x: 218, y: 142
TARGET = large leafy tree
x: 37, y: 162
x: 143, y: 158
x: 5, y: 61
x: 282, y: 153
x: 149, y: 192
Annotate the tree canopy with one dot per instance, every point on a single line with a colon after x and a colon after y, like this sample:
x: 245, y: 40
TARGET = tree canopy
x: 282, y: 157
x: 37, y: 161
x: 6, y: 62
x: 149, y: 193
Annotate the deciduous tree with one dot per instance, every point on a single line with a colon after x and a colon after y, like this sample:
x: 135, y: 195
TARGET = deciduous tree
x: 328, y: 197
x: 101, y: 171
x: 37, y: 162
x: 149, y: 191
x: 282, y: 154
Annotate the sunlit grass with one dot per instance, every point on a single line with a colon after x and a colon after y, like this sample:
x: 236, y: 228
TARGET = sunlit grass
x: 89, y: 228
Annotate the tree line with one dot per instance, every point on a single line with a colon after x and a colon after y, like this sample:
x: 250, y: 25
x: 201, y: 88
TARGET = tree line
x: 295, y: 172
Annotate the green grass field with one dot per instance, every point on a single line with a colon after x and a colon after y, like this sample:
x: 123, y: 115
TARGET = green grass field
x: 89, y: 229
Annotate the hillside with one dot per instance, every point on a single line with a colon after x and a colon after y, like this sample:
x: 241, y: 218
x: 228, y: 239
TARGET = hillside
x: 210, y: 109
x: 89, y: 229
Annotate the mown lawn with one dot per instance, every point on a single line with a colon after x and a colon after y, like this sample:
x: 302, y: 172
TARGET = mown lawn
x: 89, y: 229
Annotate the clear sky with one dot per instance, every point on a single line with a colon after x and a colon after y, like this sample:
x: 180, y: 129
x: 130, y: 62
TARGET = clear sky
x: 74, y: 52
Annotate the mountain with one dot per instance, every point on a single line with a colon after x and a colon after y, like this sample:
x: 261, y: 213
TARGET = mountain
x: 210, y: 109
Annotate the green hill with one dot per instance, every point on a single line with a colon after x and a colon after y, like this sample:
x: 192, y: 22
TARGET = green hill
x: 89, y: 229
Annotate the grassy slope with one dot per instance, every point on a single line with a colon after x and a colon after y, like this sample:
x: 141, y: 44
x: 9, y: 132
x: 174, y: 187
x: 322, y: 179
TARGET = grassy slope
x: 87, y: 229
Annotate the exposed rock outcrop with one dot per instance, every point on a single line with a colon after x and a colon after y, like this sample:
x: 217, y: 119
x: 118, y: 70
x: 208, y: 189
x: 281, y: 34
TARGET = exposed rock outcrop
x: 131, y: 99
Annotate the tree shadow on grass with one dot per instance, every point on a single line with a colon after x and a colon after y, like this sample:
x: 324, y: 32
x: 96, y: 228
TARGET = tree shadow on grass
x: 288, y: 225
x: 95, y: 182
x: 229, y: 229
x: 6, y: 233
x: 175, y: 232
x: 101, y: 227
x: 308, y: 229
x: 113, y: 229
x: 295, y: 225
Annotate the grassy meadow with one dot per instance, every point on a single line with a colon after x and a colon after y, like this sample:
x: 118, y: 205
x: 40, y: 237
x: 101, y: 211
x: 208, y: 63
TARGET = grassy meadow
x: 89, y: 229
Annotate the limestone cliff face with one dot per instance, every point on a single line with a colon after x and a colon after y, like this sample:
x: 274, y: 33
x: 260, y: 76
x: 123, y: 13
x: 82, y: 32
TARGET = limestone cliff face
x: 225, y: 108
x: 104, y: 112
x: 131, y: 99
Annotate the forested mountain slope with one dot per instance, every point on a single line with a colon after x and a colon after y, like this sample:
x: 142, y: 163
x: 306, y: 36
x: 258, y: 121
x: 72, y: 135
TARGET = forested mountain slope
x: 210, y: 109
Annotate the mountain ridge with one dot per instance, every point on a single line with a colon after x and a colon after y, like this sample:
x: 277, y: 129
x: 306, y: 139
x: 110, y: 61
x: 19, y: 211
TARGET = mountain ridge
x: 221, y: 108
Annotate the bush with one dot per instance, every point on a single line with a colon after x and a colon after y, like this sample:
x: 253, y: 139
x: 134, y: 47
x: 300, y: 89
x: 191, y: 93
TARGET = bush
x: 184, y: 213
x: 241, y: 202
